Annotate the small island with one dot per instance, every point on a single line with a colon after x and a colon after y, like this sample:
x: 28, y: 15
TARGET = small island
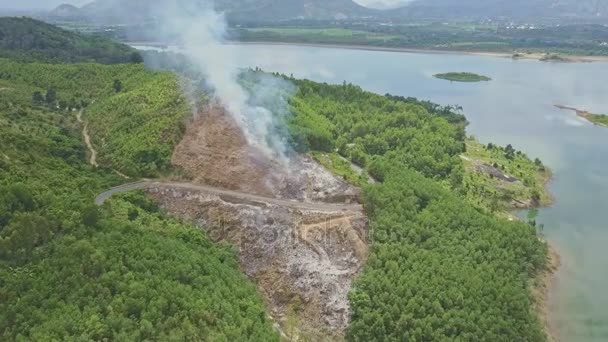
x: 462, y: 77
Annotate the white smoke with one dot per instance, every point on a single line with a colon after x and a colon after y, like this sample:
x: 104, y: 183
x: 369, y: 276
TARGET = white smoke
x: 201, y: 32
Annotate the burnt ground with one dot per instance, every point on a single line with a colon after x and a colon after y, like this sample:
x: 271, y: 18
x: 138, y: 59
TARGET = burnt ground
x: 215, y: 152
x: 303, y: 261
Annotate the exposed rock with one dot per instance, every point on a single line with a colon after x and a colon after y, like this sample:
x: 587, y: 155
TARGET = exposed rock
x: 494, y: 172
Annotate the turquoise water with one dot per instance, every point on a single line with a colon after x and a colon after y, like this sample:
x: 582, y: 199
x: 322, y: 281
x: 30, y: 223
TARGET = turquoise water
x: 515, y: 108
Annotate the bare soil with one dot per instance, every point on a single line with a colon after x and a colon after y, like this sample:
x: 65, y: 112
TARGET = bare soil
x: 303, y: 259
x: 214, y: 152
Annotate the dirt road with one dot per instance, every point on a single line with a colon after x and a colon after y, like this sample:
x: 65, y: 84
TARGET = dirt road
x: 87, y: 139
x: 144, y: 184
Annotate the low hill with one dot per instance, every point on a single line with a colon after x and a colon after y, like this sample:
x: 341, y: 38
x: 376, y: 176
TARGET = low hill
x: 32, y: 40
x: 66, y: 11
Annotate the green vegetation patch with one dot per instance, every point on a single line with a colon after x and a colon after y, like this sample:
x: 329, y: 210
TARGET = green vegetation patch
x: 123, y: 272
x: 439, y: 268
x: 598, y: 119
x: 501, y: 178
x: 136, y: 129
x: 135, y: 117
x: 462, y: 77
x: 342, y: 167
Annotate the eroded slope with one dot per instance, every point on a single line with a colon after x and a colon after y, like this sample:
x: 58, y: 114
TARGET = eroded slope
x: 303, y: 260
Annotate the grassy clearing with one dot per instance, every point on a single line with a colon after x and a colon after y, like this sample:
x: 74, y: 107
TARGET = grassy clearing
x: 342, y: 167
x: 495, y: 193
x: 598, y: 119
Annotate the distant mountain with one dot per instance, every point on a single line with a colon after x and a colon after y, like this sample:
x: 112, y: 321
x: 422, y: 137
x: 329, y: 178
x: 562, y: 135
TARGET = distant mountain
x: 513, y: 9
x: 136, y: 11
x: 129, y: 11
x: 31, y: 40
x: 66, y: 11
x: 304, y: 9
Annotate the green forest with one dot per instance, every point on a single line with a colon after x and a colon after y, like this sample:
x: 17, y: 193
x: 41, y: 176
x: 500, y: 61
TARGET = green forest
x: 440, y: 266
x: 121, y: 272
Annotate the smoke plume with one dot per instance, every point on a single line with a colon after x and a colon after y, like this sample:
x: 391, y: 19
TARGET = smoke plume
x: 258, y: 104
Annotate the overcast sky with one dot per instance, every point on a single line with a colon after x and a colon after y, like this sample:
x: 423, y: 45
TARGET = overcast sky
x: 38, y: 4
x: 381, y: 3
x: 48, y: 4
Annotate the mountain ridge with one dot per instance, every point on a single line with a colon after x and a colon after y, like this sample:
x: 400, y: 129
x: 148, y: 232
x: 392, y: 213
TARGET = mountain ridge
x: 129, y: 11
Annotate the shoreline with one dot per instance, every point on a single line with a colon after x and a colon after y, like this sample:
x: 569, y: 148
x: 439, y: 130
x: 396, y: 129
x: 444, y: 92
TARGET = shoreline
x: 542, y: 288
x: 581, y: 113
x: 533, y: 56
x: 544, y: 281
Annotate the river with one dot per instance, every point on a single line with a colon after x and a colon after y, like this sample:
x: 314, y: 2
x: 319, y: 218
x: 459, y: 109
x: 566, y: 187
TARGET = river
x: 516, y: 107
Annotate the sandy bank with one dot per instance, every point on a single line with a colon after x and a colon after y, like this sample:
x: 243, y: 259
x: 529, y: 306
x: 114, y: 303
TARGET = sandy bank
x: 532, y: 56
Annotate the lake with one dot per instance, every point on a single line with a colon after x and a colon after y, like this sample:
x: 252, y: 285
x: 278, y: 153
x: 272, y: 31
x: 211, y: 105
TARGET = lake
x: 516, y: 107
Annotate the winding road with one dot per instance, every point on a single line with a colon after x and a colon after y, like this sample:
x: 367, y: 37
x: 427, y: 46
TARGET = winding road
x: 145, y: 184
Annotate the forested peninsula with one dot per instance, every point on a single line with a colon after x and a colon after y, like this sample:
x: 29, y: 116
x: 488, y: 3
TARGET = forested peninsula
x: 442, y: 264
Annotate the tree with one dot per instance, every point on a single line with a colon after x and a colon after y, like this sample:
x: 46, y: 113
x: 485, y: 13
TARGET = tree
x: 90, y: 216
x: 136, y: 58
x: 509, y: 152
x: 51, y: 96
x: 37, y: 98
x: 117, y: 86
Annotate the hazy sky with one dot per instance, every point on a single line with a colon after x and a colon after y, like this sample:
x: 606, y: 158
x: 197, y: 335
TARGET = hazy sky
x: 382, y: 3
x: 38, y: 4
x: 47, y: 4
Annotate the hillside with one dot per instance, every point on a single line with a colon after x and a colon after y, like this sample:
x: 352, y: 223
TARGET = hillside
x: 114, y: 11
x: 32, y: 40
x: 70, y: 270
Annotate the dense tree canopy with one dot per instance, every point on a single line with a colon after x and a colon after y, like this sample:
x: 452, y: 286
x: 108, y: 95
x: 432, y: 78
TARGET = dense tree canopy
x: 32, y: 40
x: 134, y: 129
x: 439, y: 268
x: 123, y: 272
